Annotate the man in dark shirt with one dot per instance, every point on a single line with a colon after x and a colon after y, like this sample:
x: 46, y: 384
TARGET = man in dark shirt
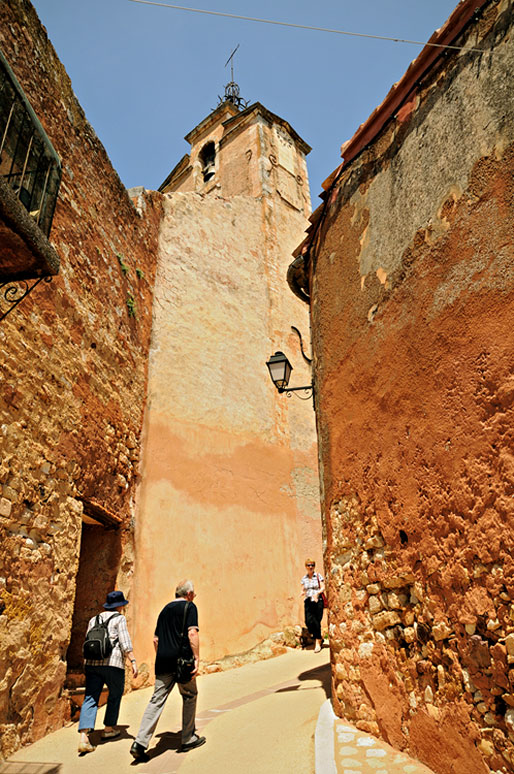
x: 170, y: 641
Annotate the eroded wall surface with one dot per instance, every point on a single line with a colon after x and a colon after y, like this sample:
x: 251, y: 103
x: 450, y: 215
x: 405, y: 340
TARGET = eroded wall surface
x: 72, y: 392
x: 412, y: 310
x: 229, y: 494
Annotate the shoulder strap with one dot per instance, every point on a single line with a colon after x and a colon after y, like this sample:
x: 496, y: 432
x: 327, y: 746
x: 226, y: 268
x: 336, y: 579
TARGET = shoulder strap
x: 106, y: 624
x: 184, y: 621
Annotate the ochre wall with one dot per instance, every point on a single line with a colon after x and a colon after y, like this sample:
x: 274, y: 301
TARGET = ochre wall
x: 225, y: 453
x: 229, y: 492
x: 72, y: 392
x: 412, y: 308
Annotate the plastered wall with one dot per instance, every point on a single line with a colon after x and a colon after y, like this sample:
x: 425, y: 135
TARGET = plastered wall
x: 412, y: 307
x: 229, y: 493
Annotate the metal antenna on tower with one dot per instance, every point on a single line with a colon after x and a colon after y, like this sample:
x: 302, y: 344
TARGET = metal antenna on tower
x: 232, y: 93
x: 231, y: 60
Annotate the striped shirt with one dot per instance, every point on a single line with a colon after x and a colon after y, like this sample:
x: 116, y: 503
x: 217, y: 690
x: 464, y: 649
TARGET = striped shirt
x: 312, y: 585
x: 119, y: 636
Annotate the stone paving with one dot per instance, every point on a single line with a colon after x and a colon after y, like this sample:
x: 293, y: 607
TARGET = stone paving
x: 360, y: 753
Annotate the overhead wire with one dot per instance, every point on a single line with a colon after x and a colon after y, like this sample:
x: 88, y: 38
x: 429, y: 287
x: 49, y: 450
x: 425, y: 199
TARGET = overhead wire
x: 306, y: 26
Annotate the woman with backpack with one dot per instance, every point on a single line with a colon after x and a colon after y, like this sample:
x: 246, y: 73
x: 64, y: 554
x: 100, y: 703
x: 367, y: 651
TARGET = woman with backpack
x: 106, y: 647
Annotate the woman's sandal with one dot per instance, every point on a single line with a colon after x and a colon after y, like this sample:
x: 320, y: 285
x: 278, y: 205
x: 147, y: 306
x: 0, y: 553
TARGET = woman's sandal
x: 111, y: 734
x: 85, y: 747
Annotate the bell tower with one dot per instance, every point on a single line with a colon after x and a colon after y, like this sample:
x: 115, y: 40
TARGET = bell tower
x: 229, y: 484
x: 248, y: 152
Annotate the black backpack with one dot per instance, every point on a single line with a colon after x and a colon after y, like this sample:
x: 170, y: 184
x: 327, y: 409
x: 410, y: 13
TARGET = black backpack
x: 97, y: 645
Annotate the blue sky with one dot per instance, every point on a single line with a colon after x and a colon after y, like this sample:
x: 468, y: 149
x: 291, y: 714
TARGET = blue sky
x: 146, y: 75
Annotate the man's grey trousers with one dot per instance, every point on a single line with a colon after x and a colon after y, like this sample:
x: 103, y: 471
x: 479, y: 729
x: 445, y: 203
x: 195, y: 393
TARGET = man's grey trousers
x: 162, y: 689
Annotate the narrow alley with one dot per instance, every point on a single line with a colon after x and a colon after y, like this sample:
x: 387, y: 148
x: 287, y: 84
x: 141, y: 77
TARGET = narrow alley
x: 260, y: 718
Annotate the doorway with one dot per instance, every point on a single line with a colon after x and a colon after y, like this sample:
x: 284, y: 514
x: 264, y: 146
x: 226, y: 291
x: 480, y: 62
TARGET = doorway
x: 99, y: 561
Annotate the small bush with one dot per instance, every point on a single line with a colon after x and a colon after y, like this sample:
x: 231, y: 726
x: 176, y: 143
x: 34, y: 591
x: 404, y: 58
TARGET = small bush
x: 131, y: 306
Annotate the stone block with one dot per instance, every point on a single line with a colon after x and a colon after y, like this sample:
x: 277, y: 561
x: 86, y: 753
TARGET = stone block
x: 408, y: 617
x: 365, y: 649
x: 486, y: 747
x: 365, y: 712
x: 393, y: 601
x: 509, y: 720
x: 5, y: 506
x: 509, y: 643
x: 376, y: 541
x: 397, y: 581
x: 441, y: 631
x: 385, y: 620
x: 374, y: 604
x: 10, y: 494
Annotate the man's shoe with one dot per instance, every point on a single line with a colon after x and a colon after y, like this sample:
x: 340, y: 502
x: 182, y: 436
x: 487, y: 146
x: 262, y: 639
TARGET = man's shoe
x: 138, y: 752
x: 195, y: 741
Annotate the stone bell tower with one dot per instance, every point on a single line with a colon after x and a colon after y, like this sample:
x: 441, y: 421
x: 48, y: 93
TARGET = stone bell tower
x: 229, y: 492
x: 251, y: 152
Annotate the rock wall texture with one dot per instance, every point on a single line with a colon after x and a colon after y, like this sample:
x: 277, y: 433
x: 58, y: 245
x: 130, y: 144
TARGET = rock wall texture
x: 72, y: 390
x: 229, y: 492
x: 412, y: 291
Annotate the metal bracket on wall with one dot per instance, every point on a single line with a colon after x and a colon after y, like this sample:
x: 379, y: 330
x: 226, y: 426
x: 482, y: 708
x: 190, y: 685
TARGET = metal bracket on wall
x: 12, y: 293
x: 307, y: 359
x: 308, y: 392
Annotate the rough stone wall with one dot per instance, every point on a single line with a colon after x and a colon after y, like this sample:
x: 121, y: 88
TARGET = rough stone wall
x: 72, y: 391
x: 229, y: 492
x: 412, y: 309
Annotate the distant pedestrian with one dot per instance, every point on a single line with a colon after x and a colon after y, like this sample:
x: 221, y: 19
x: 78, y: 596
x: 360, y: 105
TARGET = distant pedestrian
x: 176, y: 638
x: 313, y: 588
x: 109, y: 671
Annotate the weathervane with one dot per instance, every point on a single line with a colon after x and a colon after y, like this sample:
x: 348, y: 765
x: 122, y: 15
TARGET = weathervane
x: 232, y: 93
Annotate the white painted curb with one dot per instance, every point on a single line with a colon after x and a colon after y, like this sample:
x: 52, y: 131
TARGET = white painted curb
x: 324, y: 756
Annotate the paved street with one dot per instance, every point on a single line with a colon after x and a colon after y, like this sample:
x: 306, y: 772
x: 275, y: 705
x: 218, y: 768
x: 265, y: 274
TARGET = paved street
x: 258, y: 719
x: 343, y: 749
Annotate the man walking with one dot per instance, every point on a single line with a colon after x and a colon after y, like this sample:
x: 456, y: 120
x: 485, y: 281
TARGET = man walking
x: 170, y: 642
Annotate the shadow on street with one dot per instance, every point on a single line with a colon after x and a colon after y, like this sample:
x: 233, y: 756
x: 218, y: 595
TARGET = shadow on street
x: 321, y: 673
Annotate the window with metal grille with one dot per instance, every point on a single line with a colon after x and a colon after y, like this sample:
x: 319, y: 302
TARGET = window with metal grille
x: 28, y: 162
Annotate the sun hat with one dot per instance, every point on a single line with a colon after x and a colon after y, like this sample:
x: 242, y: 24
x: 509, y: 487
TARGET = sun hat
x: 115, y: 599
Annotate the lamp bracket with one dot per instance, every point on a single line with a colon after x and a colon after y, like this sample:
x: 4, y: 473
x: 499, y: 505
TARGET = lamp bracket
x: 14, y: 292
x: 307, y: 359
x: 308, y: 392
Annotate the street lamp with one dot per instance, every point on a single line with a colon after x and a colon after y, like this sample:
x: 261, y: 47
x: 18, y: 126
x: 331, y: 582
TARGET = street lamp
x: 280, y: 370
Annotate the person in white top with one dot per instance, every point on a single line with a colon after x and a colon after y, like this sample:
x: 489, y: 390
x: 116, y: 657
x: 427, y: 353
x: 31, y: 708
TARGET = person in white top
x: 313, y: 587
x: 109, y: 671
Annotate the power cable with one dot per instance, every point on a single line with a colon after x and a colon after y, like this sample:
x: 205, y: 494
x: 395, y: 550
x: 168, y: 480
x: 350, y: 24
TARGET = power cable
x: 306, y: 26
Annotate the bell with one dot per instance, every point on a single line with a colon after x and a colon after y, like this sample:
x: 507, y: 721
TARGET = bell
x: 208, y: 172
